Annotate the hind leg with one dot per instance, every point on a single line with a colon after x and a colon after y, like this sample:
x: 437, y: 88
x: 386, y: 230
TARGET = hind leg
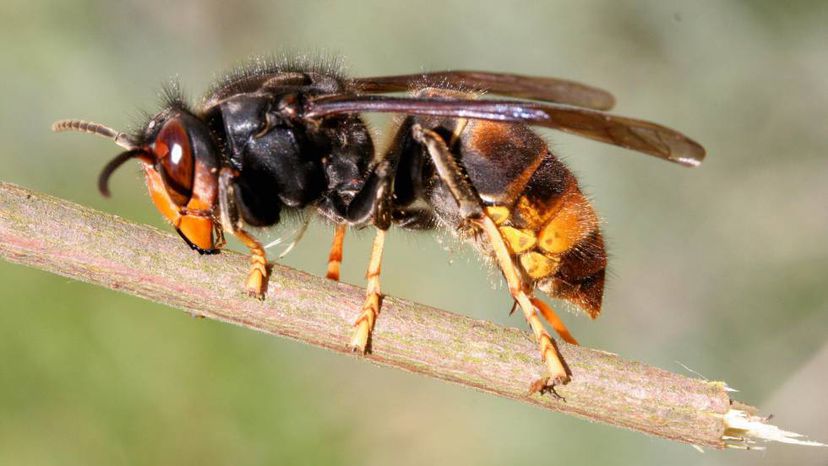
x: 552, y: 317
x: 557, y: 372
x: 472, y: 211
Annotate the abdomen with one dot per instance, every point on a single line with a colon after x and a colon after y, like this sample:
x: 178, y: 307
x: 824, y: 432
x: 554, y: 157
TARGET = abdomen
x: 542, y: 214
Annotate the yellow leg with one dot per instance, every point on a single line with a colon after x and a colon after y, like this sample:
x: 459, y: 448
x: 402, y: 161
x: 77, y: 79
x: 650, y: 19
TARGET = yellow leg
x: 549, y: 314
x: 257, y: 278
x: 557, y: 372
x: 335, y: 256
x: 373, y: 298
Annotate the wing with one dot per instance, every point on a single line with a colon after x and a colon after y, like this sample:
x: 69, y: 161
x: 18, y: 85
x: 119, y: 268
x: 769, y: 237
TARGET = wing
x: 513, y: 85
x: 251, y: 82
x: 638, y: 135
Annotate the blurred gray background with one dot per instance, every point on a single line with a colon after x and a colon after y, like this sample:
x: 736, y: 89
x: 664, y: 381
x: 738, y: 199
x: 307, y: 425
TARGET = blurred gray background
x: 721, y: 269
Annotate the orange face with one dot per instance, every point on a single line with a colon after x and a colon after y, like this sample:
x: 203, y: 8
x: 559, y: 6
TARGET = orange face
x: 182, y: 187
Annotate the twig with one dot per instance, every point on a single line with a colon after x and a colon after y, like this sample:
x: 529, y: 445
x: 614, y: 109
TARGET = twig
x: 77, y: 242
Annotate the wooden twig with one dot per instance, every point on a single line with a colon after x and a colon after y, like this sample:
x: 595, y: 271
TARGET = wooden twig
x: 61, y: 237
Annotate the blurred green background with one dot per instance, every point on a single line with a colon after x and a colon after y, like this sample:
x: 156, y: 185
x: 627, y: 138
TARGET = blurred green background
x: 721, y: 269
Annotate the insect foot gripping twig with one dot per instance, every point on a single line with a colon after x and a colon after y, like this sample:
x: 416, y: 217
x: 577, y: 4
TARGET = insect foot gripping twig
x: 256, y: 281
x: 51, y: 234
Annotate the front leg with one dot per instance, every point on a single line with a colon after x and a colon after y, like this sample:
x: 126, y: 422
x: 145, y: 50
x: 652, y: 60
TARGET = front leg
x: 256, y: 281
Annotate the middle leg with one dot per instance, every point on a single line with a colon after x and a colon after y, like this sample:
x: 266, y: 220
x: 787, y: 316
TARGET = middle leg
x: 335, y: 256
x: 370, y: 205
x: 373, y: 298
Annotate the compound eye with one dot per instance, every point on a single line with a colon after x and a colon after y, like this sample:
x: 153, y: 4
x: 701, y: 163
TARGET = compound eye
x: 174, y: 160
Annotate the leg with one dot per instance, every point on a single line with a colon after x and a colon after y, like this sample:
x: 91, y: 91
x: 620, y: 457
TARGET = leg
x: 549, y: 314
x: 231, y: 221
x: 556, y: 368
x: 471, y: 209
x: 256, y: 281
x: 370, y: 205
x: 373, y: 298
x: 335, y: 256
x: 450, y: 172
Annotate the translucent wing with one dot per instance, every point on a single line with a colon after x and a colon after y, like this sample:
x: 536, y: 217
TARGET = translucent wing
x: 513, y: 85
x: 638, y: 135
